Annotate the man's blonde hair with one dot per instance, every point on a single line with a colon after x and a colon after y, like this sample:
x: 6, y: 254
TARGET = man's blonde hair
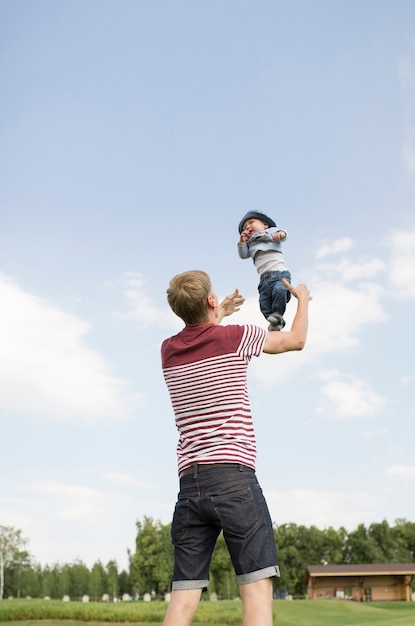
x: 187, y: 296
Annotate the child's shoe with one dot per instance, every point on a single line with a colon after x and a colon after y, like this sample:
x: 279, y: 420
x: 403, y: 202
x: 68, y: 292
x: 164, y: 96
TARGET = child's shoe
x: 276, y: 322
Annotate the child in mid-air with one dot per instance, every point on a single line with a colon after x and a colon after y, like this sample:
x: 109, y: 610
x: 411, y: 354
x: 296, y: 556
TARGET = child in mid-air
x: 261, y: 240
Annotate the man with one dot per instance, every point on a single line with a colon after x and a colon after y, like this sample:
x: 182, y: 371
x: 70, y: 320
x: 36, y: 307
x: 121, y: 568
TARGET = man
x: 205, y: 369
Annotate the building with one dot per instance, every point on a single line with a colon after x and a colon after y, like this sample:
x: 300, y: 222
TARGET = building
x: 380, y: 581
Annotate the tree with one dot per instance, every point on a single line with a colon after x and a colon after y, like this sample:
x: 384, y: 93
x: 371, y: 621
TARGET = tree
x: 63, y: 577
x: 97, y: 581
x: 151, y: 566
x: 404, y: 533
x: 383, y: 535
x: 152, y: 563
x: 334, y: 543
x: 12, y: 546
x: 300, y: 546
x: 79, y: 577
x: 32, y: 581
x: 291, y: 559
x: 124, y: 583
x: 50, y: 582
x: 112, y: 579
x: 163, y: 572
x: 16, y: 573
x: 361, y: 547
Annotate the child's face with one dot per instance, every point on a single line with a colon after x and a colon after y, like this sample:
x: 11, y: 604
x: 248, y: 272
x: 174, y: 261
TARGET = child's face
x: 254, y: 225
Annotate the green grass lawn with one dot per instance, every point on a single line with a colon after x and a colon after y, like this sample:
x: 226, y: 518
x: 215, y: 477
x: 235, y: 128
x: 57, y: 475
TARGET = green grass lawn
x: 224, y: 613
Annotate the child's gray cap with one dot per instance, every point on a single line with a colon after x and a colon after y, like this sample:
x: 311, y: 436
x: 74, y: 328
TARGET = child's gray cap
x: 258, y: 216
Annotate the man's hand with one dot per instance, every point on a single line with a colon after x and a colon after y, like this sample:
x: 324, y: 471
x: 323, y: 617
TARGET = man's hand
x: 230, y: 304
x: 299, y: 292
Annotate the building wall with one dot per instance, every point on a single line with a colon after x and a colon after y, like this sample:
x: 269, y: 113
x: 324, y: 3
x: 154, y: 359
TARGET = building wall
x: 387, y: 587
x: 361, y: 588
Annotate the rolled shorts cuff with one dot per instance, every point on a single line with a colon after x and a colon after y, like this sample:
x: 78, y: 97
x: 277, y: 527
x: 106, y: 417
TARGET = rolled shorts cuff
x: 253, y: 577
x: 189, y: 584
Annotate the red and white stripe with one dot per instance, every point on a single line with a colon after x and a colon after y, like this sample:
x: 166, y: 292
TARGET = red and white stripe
x: 205, y: 369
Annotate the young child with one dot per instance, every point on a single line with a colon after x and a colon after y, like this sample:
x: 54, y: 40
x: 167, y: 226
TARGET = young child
x: 261, y: 240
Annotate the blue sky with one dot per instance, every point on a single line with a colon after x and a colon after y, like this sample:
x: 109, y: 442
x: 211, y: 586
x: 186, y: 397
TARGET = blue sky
x: 134, y: 136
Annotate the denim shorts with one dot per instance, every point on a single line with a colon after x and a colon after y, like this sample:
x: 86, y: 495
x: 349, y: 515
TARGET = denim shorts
x: 226, y: 498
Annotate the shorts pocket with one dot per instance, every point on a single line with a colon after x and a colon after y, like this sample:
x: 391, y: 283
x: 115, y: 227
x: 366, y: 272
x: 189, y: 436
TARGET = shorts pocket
x: 180, y: 522
x: 236, y: 511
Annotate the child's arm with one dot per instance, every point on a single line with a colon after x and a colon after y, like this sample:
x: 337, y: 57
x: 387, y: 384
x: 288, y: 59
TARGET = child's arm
x: 244, y: 237
x: 243, y: 250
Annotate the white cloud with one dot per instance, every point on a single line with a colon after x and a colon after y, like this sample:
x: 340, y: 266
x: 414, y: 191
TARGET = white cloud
x: 142, y: 308
x: 344, y: 399
x: 323, y: 508
x: 334, y: 247
x: 44, y: 367
x: 249, y: 314
x: 401, y: 268
x: 372, y: 434
x: 328, y: 374
x: 346, y: 298
x: 78, y: 503
x: 338, y: 314
x: 127, y: 480
x: 401, y: 471
x: 64, y: 521
x: 347, y: 271
x: 268, y: 368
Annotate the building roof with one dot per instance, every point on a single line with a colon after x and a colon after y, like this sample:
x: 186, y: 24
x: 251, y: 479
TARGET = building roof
x: 361, y: 570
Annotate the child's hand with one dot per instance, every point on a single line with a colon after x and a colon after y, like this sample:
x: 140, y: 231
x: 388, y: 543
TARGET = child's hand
x: 245, y: 235
x: 280, y: 235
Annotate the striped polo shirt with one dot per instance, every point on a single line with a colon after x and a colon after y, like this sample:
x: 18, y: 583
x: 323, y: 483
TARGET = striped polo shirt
x: 205, y: 369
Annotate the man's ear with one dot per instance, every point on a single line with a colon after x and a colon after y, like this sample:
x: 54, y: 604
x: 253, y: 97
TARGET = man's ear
x: 211, y: 301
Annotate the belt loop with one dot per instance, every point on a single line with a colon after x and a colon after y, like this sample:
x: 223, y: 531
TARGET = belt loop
x: 241, y: 467
x: 194, y: 470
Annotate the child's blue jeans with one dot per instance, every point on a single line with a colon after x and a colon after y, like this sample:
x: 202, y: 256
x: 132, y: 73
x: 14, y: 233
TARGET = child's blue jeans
x: 273, y: 296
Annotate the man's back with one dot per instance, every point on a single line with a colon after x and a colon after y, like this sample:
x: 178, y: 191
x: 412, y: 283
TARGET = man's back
x: 205, y: 370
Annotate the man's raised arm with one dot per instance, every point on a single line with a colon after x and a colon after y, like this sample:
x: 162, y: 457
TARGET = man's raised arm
x: 294, y: 339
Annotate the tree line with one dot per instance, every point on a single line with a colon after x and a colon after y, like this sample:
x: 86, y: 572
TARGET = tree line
x: 151, y: 564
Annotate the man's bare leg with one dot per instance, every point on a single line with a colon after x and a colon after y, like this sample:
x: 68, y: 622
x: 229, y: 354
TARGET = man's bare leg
x: 257, y: 603
x: 182, y: 607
